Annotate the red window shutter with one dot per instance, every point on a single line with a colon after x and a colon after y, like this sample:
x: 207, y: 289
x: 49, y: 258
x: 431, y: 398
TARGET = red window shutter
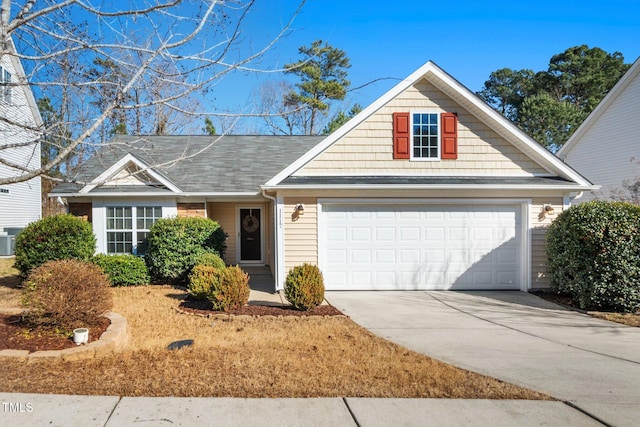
x: 401, y: 136
x: 449, y: 136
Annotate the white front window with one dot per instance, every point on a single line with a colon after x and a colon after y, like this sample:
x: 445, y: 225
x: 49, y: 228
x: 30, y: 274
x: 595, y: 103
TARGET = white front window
x: 124, y: 235
x: 425, y: 136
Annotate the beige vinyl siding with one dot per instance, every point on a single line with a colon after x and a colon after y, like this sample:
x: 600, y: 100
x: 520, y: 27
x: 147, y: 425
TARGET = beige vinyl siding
x: 300, y: 232
x: 225, y: 215
x: 539, y: 226
x: 368, y: 148
x: 301, y: 235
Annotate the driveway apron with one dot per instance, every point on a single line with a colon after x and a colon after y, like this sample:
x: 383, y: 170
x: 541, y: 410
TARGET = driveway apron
x: 517, y: 337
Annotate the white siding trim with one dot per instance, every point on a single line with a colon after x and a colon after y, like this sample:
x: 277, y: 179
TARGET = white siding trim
x: 99, y: 217
x: 280, y: 243
x: 119, y: 166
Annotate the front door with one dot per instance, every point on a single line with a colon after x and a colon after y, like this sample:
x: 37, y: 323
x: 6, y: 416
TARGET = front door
x: 250, y: 235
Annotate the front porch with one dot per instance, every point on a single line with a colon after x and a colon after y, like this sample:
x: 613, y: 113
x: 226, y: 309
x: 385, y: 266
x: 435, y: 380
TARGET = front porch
x: 263, y: 287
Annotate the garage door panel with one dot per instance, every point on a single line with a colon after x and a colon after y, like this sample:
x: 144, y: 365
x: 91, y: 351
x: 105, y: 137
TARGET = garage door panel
x: 385, y: 233
x: 385, y: 256
x: 409, y: 256
x: 426, y: 246
x: 337, y: 234
x: 408, y: 234
x: 337, y: 256
x: 361, y: 256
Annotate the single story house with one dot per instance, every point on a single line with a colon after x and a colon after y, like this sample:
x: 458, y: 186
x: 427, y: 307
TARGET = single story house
x: 606, y: 147
x: 426, y: 188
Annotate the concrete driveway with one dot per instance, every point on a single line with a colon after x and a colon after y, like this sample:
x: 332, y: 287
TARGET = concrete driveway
x: 517, y: 337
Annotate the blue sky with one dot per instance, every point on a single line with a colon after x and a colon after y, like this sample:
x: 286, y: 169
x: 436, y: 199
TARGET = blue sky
x: 468, y: 39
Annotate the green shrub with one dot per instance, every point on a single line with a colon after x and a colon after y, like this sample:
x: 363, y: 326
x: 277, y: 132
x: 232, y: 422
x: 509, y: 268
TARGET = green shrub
x: 66, y: 294
x: 176, y: 243
x: 53, y: 238
x: 212, y: 260
x: 123, y: 270
x: 201, y: 279
x: 304, y: 287
x: 230, y: 290
x: 593, y: 252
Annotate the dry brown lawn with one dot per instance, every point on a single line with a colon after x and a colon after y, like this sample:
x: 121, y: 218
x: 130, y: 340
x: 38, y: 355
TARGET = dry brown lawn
x: 9, y: 284
x: 253, y: 357
x: 631, y: 319
x: 248, y: 357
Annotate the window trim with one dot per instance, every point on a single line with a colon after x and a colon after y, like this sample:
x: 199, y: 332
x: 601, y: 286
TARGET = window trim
x: 438, y: 157
x: 134, y: 230
x: 5, y: 89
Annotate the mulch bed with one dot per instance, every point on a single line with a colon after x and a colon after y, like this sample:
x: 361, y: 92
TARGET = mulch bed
x: 559, y: 299
x: 15, y: 335
x: 204, y: 308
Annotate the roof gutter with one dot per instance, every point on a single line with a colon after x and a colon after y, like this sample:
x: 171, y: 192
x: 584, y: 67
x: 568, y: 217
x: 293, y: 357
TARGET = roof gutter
x: 221, y: 194
x: 572, y: 187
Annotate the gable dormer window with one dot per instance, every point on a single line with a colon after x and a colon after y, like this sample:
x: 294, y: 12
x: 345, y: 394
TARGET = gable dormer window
x: 425, y: 135
x: 5, y: 82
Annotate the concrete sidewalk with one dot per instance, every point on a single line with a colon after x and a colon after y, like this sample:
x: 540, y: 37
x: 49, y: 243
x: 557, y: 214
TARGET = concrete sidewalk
x: 87, y: 411
x: 515, y: 337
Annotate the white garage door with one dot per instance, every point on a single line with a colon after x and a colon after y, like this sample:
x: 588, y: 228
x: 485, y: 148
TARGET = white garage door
x: 406, y: 247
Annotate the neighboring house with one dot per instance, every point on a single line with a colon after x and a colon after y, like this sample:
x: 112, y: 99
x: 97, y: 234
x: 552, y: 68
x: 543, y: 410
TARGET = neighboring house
x: 20, y: 203
x: 606, y: 147
x: 427, y: 188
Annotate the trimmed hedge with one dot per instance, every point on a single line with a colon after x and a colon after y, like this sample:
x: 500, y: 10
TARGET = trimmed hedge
x: 304, y: 287
x: 176, y: 243
x: 66, y: 294
x: 201, y: 279
x: 53, y: 238
x: 593, y: 252
x: 123, y: 270
x: 229, y: 288
x: 212, y: 260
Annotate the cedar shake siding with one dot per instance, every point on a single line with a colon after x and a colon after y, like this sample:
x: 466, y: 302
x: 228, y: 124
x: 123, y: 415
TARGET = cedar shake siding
x: 368, y: 149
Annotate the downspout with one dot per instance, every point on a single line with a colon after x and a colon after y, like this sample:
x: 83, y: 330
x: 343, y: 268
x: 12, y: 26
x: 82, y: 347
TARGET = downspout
x: 276, y: 259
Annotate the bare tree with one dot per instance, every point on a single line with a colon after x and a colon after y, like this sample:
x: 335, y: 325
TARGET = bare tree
x: 111, y: 67
x: 282, y: 116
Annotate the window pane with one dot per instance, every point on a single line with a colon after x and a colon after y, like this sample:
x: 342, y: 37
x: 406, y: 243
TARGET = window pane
x: 141, y: 244
x: 147, y: 216
x: 425, y: 135
x: 119, y: 242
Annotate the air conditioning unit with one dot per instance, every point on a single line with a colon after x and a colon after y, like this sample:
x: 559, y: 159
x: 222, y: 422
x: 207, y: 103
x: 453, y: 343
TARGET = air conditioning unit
x: 7, y: 245
x: 13, y: 231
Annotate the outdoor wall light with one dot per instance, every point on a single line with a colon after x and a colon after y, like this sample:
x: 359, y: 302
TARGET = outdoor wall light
x: 547, y: 210
x: 300, y: 209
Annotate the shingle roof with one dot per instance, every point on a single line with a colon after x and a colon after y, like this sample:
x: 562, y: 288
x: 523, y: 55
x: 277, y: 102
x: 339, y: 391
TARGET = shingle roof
x: 230, y: 163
